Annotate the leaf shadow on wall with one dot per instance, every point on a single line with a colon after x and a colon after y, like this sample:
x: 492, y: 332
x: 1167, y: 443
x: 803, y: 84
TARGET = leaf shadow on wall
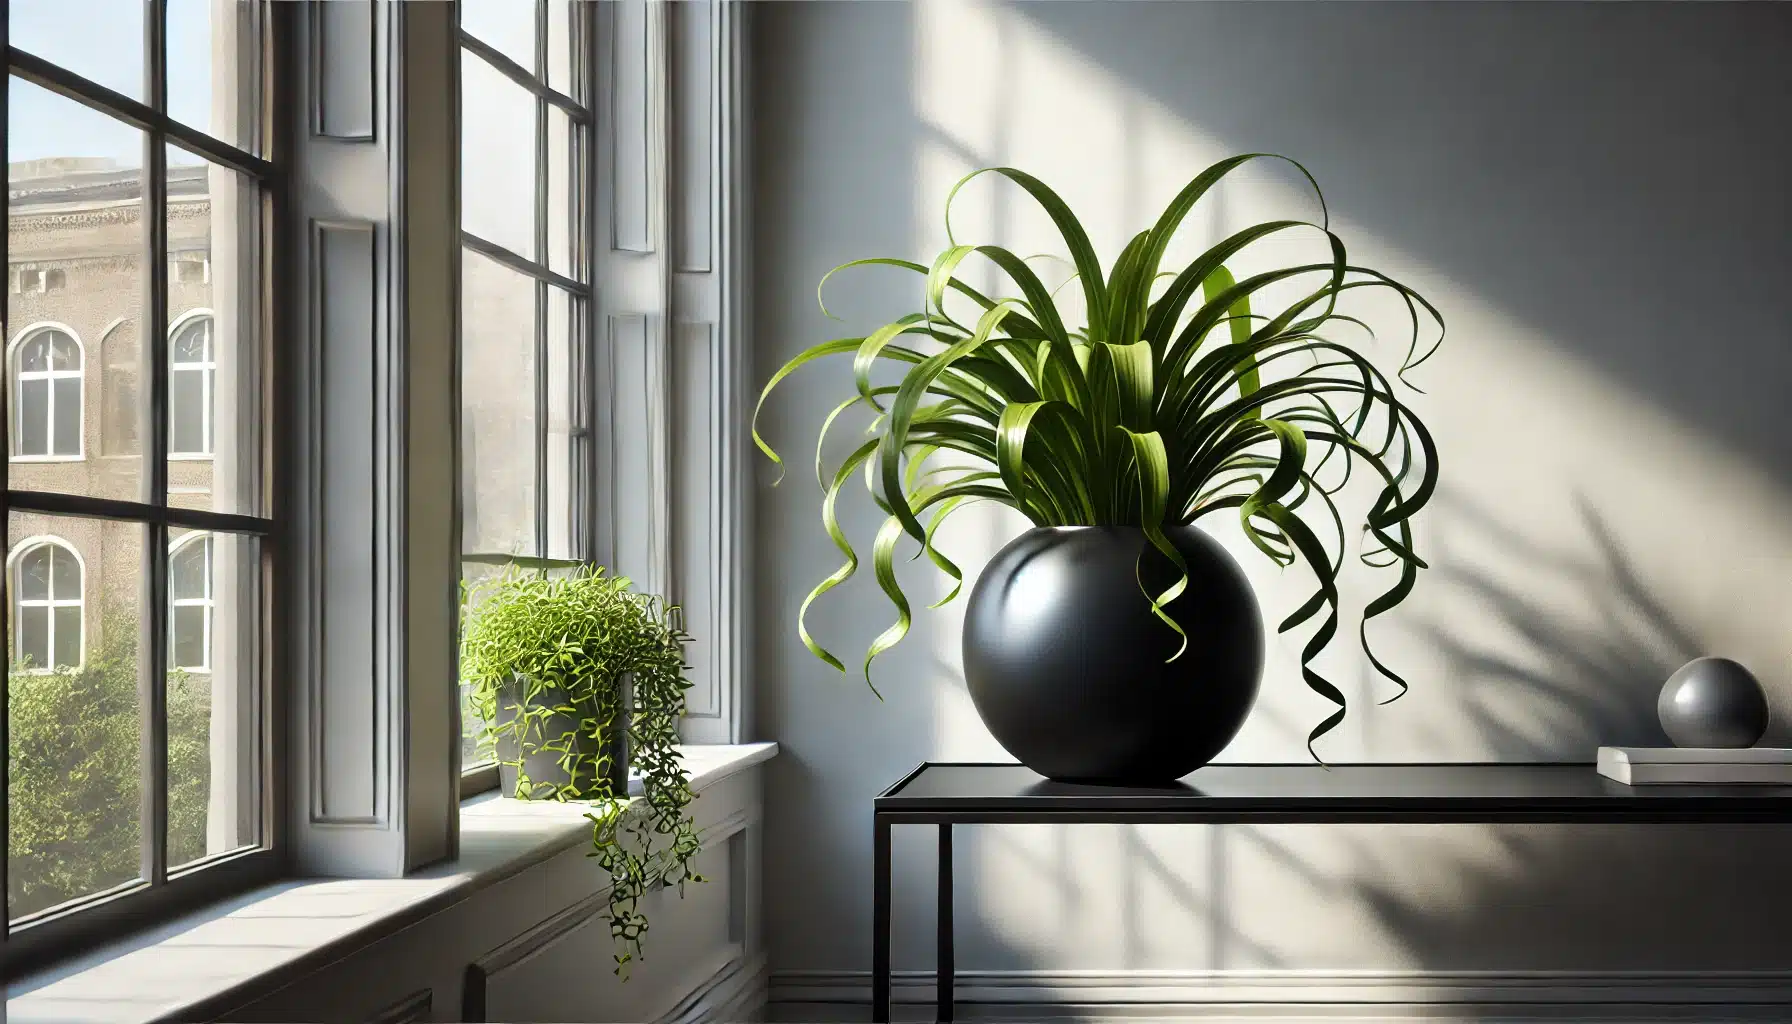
x: 1557, y: 681
x: 1612, y: 175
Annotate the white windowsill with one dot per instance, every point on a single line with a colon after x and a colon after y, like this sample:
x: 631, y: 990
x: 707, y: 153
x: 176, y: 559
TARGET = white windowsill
x: 225, y: 955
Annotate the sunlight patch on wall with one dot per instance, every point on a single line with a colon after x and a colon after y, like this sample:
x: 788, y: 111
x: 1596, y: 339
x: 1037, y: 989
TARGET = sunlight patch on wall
x: 1561, y: 489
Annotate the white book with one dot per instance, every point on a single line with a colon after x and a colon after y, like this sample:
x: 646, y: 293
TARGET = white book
x: 1640, y: 766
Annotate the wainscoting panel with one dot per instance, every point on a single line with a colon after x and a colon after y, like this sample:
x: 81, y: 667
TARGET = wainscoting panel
x: 695, y: 479
x: 347, y: 787
x: 636, y: 45
x: 343, y: 66
x: 561, y: 970
x: 535, y: 946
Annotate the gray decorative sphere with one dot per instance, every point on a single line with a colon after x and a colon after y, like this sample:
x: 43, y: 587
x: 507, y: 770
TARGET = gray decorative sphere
x: 1712, y: 702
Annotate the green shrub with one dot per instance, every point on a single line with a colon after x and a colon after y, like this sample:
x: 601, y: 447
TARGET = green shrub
x: 74, y: 769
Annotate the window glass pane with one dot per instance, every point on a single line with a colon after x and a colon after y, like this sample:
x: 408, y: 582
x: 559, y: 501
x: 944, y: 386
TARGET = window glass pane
x: 191, y: 342
x: 188, y: 651
x: 507, y: 26
x: 33, y: 635
x: 498, y: 420
x: 214, y: 359
x: 211, y: 77
x: 98, y: 39
x: 64, y: 353
x: 65, y: 574
x: 34, y: 573
x: 560, y: 44
x: 76, y: 187
x: 66, y: 635
x: 471, y: 756
x: 74, y: 754
x: 186, y: 412
x: 497, y: 185
x: 473, y: 751
x: 213, y: 751
x: 563, y: 473
x: 187, y: 570
x: 562, y: 211
x: 34, y: 421
x: 34, y: 353
x: 65, y: 395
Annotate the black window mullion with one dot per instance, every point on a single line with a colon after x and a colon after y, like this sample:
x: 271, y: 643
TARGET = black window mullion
x: 545, y: 258
x: 541, y: 419
x: 5, y: 505
x: 71, y: 86
x: 584, y: 81
x: 541, y: 41
x: 520, y: 75
x: 153, y: 632
x: 527, y: 267
x: 82, y: 506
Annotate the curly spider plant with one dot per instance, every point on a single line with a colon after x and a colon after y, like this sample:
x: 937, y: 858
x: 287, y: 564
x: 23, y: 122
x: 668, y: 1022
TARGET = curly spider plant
x: 1183, y: 395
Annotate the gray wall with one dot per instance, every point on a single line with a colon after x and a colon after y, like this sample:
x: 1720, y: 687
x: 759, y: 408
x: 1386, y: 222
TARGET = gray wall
x: 1596, y: 196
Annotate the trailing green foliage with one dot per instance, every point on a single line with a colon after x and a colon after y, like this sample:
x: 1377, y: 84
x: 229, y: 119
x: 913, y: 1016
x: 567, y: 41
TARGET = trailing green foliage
x: 1175, y: 399
x: 73, y: 789
x: 551, y: 660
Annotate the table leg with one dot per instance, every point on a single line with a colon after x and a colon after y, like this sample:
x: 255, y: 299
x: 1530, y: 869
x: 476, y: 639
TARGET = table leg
x: 945, y: 921
x: 880, y: 920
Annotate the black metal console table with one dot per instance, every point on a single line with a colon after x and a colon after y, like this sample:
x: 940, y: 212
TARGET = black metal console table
x: 986, y: 794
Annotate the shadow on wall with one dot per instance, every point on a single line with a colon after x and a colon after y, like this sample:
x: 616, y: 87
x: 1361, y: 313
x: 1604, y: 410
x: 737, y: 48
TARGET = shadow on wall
x: 1592, y: 170
x: 1586, y: 898
x: 1582, y: 680
x: 1613, y: 175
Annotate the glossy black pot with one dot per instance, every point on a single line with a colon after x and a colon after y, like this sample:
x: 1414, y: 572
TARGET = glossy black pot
x: 1070, y: 670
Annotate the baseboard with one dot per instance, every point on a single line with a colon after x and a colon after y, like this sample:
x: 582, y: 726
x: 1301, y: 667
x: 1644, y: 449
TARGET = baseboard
x: 1299, y: 995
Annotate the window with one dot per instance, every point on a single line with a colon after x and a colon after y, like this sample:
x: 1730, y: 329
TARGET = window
x: 190, y: 603
x: 190, y: 378
x: 47, y: 366
x: 190, y: 268
x: 527, y: 133
x: 27, y: 279
x: 49, y: 614
x: 138, y: 764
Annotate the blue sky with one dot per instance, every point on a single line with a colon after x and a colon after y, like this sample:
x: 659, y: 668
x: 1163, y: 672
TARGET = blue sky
x: 103, y: 40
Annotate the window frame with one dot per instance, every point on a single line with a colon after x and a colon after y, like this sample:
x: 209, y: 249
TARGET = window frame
x: 15, y: 381
x: 579, y: 104
x: 158, y: 893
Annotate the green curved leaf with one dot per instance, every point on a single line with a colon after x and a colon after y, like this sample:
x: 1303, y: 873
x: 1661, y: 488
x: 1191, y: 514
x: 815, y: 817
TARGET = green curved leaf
x: 1154, y: 477
x: 1134, y: 418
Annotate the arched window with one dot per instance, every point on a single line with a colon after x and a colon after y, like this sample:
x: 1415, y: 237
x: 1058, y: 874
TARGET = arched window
x: 49, y: 615
x: 46, y: 380
x: 190, y: 601
x: 192, y: 371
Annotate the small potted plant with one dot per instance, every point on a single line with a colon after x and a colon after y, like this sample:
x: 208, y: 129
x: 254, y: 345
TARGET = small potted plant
x: 1116, y: 409
x: 578, y: 681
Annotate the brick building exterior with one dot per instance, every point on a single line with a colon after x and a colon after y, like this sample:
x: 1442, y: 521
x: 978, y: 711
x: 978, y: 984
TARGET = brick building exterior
x: 76, y: 287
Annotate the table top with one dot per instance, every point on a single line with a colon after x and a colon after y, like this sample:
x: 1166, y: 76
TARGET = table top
x: 1311, y: 793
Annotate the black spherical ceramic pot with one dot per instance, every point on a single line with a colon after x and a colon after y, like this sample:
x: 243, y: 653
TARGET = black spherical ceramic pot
x: 1070, y: 670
